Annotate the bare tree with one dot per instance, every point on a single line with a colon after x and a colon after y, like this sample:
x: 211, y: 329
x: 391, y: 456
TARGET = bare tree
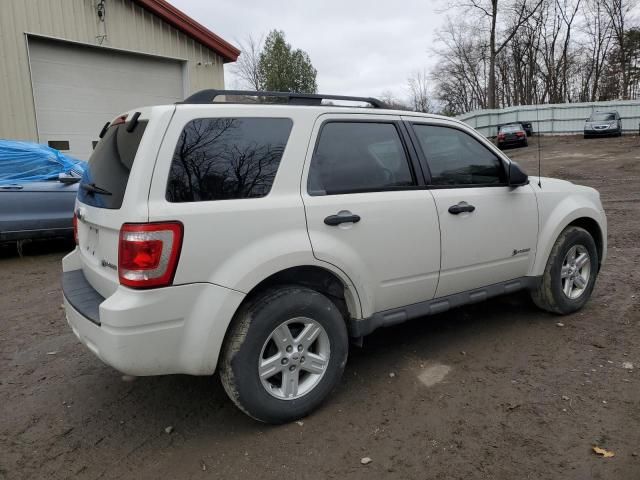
x: 619, y: 11
x: 598, y: 32
x: 520, y: 11
x: 390, y: 99
x: 246, y: 67
x: 419, y: 97
x: 461, y: 73
x: 555, y: 56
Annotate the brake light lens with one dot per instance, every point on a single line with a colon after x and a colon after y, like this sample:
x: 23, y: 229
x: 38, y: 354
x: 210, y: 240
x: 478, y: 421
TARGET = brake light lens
x: 148, y: 254
x: 501, y: 136
x: 75, y: 228
x: 520, y: 134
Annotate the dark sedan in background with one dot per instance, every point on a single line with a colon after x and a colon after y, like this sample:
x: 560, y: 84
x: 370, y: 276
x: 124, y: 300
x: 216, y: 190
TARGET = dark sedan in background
x: 512, y: 135
x: 527, y: 126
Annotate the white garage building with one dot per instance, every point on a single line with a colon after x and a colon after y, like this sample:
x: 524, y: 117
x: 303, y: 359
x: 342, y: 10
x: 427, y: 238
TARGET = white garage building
x: 69, y: 66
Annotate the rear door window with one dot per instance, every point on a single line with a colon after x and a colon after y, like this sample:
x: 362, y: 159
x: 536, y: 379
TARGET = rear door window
x: 227, y: 158
x: 109, y: 166
x: 353, y: 157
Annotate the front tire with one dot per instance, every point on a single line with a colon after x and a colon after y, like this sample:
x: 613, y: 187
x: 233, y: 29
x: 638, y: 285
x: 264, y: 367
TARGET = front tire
x: 570, y: 273
x: 285, y: 352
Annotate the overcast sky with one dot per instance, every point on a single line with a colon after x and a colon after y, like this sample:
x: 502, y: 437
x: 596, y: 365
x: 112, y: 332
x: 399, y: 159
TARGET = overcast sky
x: 358, y: 47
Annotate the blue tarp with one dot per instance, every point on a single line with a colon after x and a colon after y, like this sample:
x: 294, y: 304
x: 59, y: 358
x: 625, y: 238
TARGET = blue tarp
x: 32, y: 162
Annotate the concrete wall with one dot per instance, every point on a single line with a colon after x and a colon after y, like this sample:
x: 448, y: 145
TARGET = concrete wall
x: 126, y: 26
x: 561, y: 118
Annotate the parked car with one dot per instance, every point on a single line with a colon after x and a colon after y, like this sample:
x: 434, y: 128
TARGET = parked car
x: 512, y: 134
x: 603, y: 124
x: 256, y: 240
x: 38, y: 187
x: 527, y: 127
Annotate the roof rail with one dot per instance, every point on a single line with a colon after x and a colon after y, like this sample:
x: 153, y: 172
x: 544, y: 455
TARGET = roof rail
x: 208, y: 96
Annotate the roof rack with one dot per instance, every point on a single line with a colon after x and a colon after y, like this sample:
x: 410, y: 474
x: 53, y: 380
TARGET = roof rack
x: 208, y: 96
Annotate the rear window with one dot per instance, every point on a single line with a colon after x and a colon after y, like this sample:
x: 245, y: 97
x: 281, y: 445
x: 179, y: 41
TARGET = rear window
x: 227, y: 158
x: 107, y: 174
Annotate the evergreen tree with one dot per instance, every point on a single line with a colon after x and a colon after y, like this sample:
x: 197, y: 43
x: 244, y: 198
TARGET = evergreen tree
x: 285, y: 70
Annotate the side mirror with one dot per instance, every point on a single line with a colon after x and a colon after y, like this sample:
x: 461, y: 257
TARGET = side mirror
x: 517, y: 176
x: 68, y: 178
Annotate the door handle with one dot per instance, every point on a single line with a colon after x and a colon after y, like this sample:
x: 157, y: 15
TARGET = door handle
x: 460, y: 208
x: 346, y: 217
x: 11, y: 187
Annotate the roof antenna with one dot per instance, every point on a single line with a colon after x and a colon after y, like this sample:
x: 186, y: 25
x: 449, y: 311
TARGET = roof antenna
x: 539, y: 146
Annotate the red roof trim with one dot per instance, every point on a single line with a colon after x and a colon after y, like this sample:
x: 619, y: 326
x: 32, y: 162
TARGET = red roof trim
x: 191, y: 28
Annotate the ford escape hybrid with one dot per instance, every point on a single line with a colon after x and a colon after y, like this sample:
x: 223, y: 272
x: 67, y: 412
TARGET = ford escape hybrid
x: 258, y: 239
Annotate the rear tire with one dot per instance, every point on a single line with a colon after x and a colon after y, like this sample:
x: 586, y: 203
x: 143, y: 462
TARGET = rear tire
x: 285, y: 352
x: 570, y: 273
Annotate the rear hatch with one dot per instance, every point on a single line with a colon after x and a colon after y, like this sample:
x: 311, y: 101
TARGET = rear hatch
x: 511, y: 134
x: 115, y: 189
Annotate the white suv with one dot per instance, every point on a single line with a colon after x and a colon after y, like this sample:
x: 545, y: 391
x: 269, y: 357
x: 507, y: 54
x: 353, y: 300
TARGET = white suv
x: 259, y: 238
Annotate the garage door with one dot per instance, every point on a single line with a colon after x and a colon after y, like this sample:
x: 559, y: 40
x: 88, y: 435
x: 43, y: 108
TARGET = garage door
x: 78, y: 89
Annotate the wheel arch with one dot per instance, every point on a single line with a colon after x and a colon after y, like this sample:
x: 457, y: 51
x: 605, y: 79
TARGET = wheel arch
x: 321, y: 279
x: 588, y: 218
x: 591, y: 226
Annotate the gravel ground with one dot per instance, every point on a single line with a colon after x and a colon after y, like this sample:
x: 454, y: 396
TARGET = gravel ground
x: 497, y: 390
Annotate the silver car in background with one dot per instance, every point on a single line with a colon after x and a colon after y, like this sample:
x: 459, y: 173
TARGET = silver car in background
x: 603, y: 123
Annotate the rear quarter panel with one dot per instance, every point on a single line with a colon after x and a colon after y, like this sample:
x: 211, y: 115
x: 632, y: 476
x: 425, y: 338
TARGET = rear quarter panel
x: 238, y: 243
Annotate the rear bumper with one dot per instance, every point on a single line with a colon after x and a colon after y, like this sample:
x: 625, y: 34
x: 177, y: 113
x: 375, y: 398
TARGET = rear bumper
x: 177, y: 329
x: 513, y: 142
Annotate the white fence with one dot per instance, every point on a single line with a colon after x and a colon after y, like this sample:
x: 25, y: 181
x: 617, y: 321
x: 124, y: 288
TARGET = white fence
x: 559, y: 118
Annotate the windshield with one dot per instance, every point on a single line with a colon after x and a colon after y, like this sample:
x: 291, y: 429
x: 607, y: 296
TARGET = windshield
x: 602, y: 117
x: 105, y: 179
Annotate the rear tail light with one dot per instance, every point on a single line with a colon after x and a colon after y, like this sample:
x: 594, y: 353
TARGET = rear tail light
x: 520, y: 134
x: 148, y: 253
x: 75, y: 227
x: 501, y: 136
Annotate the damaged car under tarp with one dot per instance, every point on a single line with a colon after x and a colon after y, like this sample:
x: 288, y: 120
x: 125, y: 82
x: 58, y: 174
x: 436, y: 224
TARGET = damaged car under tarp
x: 38, y: 187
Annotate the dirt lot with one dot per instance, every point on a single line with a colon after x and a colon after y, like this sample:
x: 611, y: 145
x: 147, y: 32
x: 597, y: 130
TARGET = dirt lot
x: 512, y: 396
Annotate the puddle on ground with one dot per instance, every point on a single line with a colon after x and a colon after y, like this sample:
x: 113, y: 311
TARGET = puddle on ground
x: 433, y: 374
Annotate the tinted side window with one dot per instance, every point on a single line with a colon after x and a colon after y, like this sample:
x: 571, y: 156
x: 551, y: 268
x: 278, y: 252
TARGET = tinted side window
x: 110, y: 164
x: 227, y: 158
x: 456, y: 158
x: 355, y: 157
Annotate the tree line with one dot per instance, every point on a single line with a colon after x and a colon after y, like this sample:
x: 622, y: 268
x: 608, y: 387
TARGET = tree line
x: 525, y: 52
x: 492, y: 54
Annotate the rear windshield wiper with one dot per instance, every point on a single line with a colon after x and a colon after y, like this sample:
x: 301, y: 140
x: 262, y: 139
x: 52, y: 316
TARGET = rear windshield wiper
x: 93, y: 188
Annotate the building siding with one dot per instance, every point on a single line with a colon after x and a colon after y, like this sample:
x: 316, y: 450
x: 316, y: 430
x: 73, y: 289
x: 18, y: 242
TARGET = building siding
x: 127, y: 26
